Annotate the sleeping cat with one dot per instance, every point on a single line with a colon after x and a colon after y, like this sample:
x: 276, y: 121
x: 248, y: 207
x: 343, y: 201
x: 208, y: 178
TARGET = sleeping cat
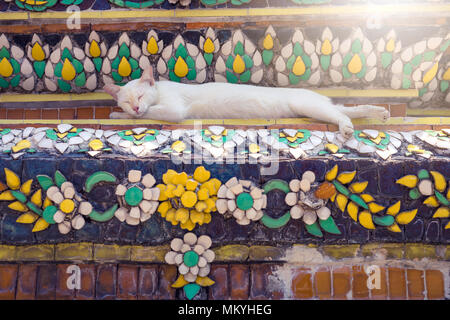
x: 175, y: 102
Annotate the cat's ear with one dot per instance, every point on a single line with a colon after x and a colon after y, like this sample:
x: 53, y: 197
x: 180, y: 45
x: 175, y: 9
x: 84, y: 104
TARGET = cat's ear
x: 147, y: 76
x: 112, y: 89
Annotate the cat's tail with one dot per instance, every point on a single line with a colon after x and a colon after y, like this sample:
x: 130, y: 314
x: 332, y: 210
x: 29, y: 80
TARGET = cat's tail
x: 365, y: 111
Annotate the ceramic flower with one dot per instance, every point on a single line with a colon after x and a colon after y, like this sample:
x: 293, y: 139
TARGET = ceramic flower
x: 209, y: 45
x: 192, y: 256
x: 188, y: 200
x: 242, y: 200
x: 304, y: 202
x: 137, y: 199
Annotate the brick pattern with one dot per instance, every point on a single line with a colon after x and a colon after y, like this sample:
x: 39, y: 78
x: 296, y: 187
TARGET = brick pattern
x: 233, y: 281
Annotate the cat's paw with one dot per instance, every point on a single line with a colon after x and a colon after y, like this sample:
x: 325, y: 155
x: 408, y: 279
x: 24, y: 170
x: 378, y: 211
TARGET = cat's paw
x: 116, y: 115
x: 346, y: 129
x: 380, y: 113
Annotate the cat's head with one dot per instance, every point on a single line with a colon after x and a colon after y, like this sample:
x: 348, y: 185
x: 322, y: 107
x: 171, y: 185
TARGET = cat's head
x: 137, y: 95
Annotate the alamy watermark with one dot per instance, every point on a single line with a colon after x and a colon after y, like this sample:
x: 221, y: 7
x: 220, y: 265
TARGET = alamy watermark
x: 74, y: 280
x: 374, y: 276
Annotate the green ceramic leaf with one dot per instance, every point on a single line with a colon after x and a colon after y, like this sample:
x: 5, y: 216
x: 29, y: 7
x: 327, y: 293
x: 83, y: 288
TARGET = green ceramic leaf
x: 15, y: 81
x: 346, y: 73
x: 192, y: 74
x: 115, y: 63
x: 356, y: 46
x: 290, y: 62
x: 48, y: 214
x: 39, y: 68
x: 190, y: 62
x: 80, y: 80
x: 385, y: 221
x: 3, y: 83
x: 59, y: 178
x: 191, y: 290
x: 340, y: 188
x: 276, y: 223
x: 314, y: 229
x: 15, y: 65
x: 441, y: 198
x: 423, y: 174
x: 329, y: 225
x: 117, y: 77
x: 245, y: 77
x: 208, y: 58
x: 414, y: 194
x: 133, y: 63
x: 325, y: 62
x: 358, y: 200
x: 386, y: 59
x: 124, y: 51
x: 64, y: 86
x: 267, y: 56
x: 77, y: 65
x: 19, y: 196
x: 97, y: 177
x: 136, y: 74
x: 34, y: 208
x: 276, y: 184
x: 298, y: 50
x: 229, y: 62
x: 4, y: 53
x: 45, y: 181
x: 293, y: 79
x: 231, y: 78
x: 98, y: 63
x: 239, y: 49
x: 444, y: 85
x: 66, y: 55
x: 248, y: 61
x: 181, y: 51
x: 173, y: 76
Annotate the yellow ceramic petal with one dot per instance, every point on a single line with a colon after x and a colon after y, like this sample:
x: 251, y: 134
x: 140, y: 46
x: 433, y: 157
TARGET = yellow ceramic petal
x: 164, y: 207
x: 37, y: 53
x: 346, y: 177
x: 204, y: 281
x: 94, y: 49
x: 352, y: 210
x: 355, y: 64
x: 331, y: 175
x: 179, y: 190
x: 12, y: 179
x: 358, y: 187
x: 180, y: 282
x: 18, y: 206
x: 299, y: 67
x: 406, y: 217
x: 341, y: 201
x: 442, y: 212
x: 47, y: 202
x: 326, y: 47
x: 367, y: 197
x: 377, y: 140
x: 188, y: 199
x: 394, y: 209
x: 191, y: 185
x: 200, y: 206
x: 152, y: 46
x: 7, y: 196
x: 28, y: 217
x: 268, y: 42
x: 40, y: 225
x: 197, y: 217
x: 6, y: 68
x: 201, y: 174
x: 409, y: 181
x: 96, y: 144
x: 365, y: 219
x: 390, y: 45
x: 439, y: 181
x: 208, y: 46
x: 139, y: 136
x: 62, y: 135
x: 394, y: 228
x: 189, y: 225
x: 162, y: 191
x: 206, y: 218
x: 182, y: 215
x: 216, y: 184
x: 374, y: 208
x: 124, y: 68
x: 181, y: 68
x: 36, y: 198
x: 238, y: 64
x: 211, y: 203
x: 168, y: 176
x: 254, y: 148
x: 431, y: 201
x: 431, y: 73
x: 332, y: 147
x: 68, y: 71
x: 21, y: 145
x: 180, y: 178
x: 26, y: 187
x: 169, y: 190
x: 333, y: 197
x: 447, y: 226
x: 202, y: 194
x: 170, y: 216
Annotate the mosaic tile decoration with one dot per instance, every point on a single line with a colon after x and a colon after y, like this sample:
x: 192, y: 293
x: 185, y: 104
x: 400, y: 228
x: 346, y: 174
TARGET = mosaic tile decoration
x: 61, y: 5
x: 274, y: 56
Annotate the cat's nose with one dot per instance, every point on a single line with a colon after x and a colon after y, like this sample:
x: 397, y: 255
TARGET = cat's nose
x: 136, y: 109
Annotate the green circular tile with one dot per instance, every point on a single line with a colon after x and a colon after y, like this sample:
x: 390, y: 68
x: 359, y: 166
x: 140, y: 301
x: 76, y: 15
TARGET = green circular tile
x: 190, y: 258
x: 133, y: 196
x: 244, y: 201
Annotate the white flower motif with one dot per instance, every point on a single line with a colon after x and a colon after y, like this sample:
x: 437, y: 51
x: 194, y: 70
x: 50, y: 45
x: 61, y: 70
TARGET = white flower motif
x: 138, y: 200
x: 191, y: 255
x: 242, y: 200
x: 304, y: 204
x: 70, y: 207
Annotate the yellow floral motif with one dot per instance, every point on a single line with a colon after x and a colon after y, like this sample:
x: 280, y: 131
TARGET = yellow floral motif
x: 94, y: 49
x: 6, y: 68
x: 37, y: 52
x: 326, y: 47
x: 268, y: 42
x: 152, y: 46
x: 208, y: 46
x: 355, y: 64
x: 68, y: 71
x: 188, y: 200
x: 238, y: 64
x: 124, y: 67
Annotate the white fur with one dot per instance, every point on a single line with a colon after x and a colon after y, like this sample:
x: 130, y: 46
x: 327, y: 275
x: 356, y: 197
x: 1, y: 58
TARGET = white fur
x: 174, y: 102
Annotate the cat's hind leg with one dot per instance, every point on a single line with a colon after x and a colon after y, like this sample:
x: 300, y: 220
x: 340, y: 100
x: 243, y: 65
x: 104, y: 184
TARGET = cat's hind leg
x: 365, y: 111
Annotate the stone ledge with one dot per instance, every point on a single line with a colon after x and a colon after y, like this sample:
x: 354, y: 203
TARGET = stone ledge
x: 228, y: 253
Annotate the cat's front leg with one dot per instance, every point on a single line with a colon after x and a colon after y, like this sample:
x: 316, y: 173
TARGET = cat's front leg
x: 120, y: 115
x: 165, y: 113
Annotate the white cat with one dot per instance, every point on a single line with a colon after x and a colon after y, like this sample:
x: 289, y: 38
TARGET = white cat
x: 175, y: 102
